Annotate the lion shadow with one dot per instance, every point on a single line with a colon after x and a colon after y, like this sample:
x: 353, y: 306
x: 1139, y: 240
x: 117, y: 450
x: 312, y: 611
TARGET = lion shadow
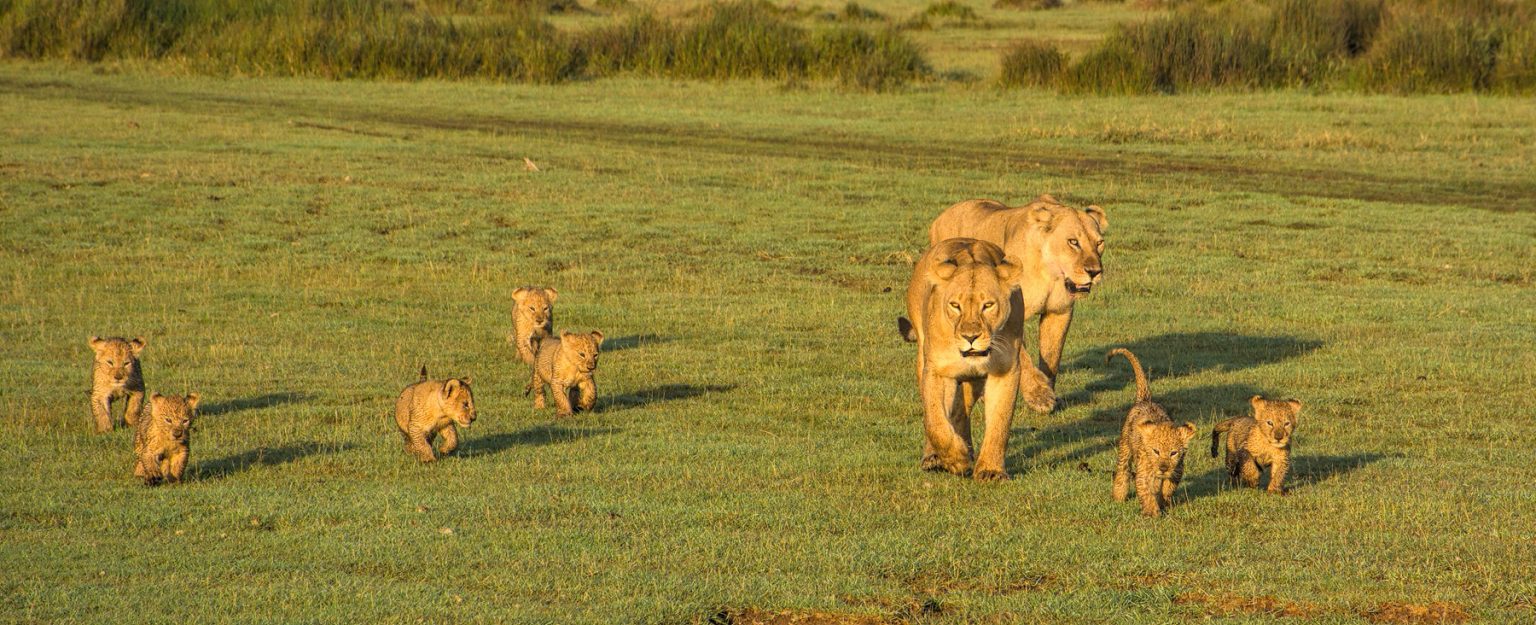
x: 211, y: 409
x: 1306, y: 472
x: 532, y: 436
x: 1171, y: 355
x: 621, y: 343
x: 656, y: 394
x: 264, y: 456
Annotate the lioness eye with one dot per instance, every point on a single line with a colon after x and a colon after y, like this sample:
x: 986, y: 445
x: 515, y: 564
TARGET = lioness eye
x: 988, y: 305
x: 954, y: 305
x: 1073, y: 242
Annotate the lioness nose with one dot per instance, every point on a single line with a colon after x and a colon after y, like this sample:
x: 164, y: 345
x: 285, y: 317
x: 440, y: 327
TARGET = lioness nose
x: 970, y: 338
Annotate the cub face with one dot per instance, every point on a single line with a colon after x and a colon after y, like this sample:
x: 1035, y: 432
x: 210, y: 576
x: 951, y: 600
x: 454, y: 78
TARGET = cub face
x: 1276, y: 418
x: 174, y: 413
x: 580, y: 350
x: 119, y: 358
x: 458, y: 401
x: 973, y: 286
x: 534, y: 304
x: 1163, y: 446
x: 1074, y: 247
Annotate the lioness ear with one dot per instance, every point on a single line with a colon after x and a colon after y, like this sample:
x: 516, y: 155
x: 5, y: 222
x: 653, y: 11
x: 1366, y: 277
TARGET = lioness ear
x: 906, y: 329
x: 1009, y: 268
x: 1098, y: 216
x: 137, y: 344
x: 551, y: 294
x: 597, y: 336
x: 1047, y: 198
x: 946, y: 270
x: 1041, y: 216
x: 192, y: 399
x: 1188, y: 431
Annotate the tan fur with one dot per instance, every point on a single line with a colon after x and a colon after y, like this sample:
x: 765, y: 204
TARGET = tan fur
x: 1055, y: 272
x: 567, y: 363
x: 1151, y: 448
x: 162, y: 439
x: 962, y: 312
x: 116, y: 374
x: 430, y: 408
x: 1260, y: 441
x: 533, y: 318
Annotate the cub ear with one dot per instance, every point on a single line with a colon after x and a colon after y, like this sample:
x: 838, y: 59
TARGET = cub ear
x: 1009, y: 268
x: 945, y: 269
x: 519, y: 293
x: 466, y: 380
x: 1098, y: 216
x: 155, y: 396
x: 1294, y: 404
x: 1188, y: 431
x: 449, y: 387
x: 565, y: 334
x: 1256, y: 401
x: 192, y: 399
x: 551, y: 294
x: 137, y: 344
x: 597, y: 335
x: 96, y: 343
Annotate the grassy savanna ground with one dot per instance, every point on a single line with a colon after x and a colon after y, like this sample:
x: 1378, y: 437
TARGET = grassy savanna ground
x: 295, y: 249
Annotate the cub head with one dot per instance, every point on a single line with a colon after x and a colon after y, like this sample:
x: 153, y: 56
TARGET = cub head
x: 534, y: 304
x: 1276, y: 418
x: 1074, y: 242
x: 458, y: 402
x: 972, y: 283
x: 119, y: 357
x: 173, y: 412
x: 580, y: 349
x: 1163, y: 445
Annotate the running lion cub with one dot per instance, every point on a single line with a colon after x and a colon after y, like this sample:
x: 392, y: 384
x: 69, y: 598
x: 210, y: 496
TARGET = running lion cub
x: 1151, y: 447
x: 430, y: 408
x: 1262, y: 440
x: 533, y: 318
x: 115, y: 374
x: 162, y: 438
x: 567, y: 364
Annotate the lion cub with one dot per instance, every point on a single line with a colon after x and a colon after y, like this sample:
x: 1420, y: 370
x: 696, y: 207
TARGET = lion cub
x: 1262, y: 440
x: 1151, y: 447
x: 533, y: 318
x: 115, y: 374
x: 161, y: 440
x: 432, y: 407
x: 566, y: 363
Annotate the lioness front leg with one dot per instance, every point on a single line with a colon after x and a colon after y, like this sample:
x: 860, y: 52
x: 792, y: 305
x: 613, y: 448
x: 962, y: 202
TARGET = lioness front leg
x: 941, y: 399
x: 1053, y: 337
x: 1000, y: 391
x: 1033, y: 384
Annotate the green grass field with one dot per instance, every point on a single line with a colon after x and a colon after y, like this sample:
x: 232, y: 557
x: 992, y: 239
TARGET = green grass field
x: 295, y: 249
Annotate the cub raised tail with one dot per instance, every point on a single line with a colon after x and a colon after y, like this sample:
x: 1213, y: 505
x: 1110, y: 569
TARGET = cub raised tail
x: 1216, y: 432
x: 1143, y: 392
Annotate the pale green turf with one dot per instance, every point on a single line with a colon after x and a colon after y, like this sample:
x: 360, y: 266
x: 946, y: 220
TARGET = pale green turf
x: 295, y: 249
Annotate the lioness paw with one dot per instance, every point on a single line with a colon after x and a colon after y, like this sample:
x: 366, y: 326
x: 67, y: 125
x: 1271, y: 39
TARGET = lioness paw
x: 991, y: 475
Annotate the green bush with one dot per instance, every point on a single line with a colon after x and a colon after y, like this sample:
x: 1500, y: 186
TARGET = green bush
x: 1032, y: 64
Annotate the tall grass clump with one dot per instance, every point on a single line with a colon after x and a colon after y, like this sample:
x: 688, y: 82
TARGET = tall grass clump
x: 1032, y: 64
x: 1442, y: 46
x: 741, y: 40
x: 871, y: 61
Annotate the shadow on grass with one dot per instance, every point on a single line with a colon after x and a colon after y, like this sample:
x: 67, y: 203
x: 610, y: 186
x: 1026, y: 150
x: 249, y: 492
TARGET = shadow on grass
x: 251, y: 403
x: 1306, y: 471
x: 1074, y: 442
x: 665, y: 392
x: 1171, y: 355
x: 534, y: 436
x: 264, y: 456
x: 621, y: 343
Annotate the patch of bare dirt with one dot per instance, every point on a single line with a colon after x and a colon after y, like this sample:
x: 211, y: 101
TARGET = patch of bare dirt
x: 1416, y: 614
x: 1230, y: 605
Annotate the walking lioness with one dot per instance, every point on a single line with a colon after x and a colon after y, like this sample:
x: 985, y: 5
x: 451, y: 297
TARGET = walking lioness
x: 963, y: 311
x: 1061, y: 251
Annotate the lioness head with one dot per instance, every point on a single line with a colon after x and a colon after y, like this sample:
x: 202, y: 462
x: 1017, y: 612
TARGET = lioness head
x: 173, y: 412
x: 119, y: 357
x: 1163, y: 446
x: 580, y: 349
x: 458, y: 402
x: 533, y: 304
x: 972, y: 281
x: 1276, y: 418
x: 1074, y: 242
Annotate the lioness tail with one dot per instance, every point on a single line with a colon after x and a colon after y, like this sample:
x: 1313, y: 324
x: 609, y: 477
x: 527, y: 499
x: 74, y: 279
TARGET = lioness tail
x: 1143, y: 393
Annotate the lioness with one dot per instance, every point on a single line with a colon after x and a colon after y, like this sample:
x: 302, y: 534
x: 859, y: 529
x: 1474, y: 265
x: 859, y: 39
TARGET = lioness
x: 115, y: 374
x: 1262, y: 440
x: 963, y: 311
x: 1061, y: 250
